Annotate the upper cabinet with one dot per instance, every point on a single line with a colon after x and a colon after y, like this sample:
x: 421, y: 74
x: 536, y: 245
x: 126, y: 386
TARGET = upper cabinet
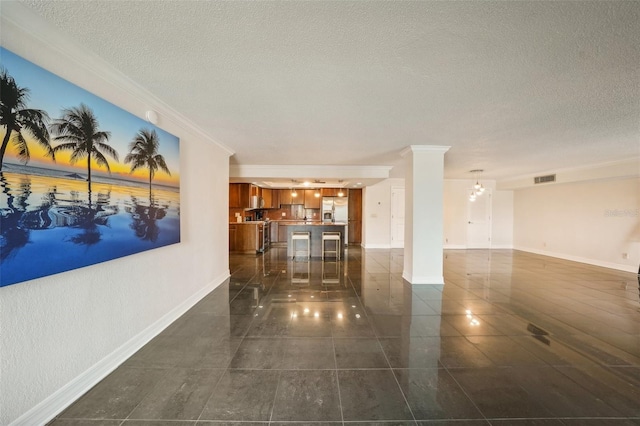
x: 285, y: 196
x: 333, y: 192
x: 267, y: 196
x: 310, y: 199
x: 299, y: 198
x: 239, y: 195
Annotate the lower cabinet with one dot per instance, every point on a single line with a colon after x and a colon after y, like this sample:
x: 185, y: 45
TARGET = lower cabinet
x: 246, y: 237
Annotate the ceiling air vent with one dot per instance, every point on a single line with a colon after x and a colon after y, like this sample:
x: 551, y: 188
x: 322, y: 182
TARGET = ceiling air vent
x: 544, y: 179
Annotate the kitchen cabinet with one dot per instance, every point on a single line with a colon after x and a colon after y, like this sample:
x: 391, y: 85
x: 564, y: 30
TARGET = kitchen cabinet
x: 355, y: 204
x: 233, y: 232
x: 267, y: 196
x: 239, y: 195
x: 355, y: 216
x: 355, y: 232
x: 299, y: 199
x: 275, y: 199
x: 330, y: 192
x: 246, y: 237
x: 286, y: 198
x: 310, y: 199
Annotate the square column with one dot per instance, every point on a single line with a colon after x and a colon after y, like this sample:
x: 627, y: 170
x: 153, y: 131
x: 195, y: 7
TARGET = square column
x: 424, y: 225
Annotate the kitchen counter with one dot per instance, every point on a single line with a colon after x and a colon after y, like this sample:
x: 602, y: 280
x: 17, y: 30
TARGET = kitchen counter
x: 310, y: 223
x: 249, y: 222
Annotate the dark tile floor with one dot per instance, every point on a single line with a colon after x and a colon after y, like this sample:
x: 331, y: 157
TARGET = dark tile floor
x: 511, y: 339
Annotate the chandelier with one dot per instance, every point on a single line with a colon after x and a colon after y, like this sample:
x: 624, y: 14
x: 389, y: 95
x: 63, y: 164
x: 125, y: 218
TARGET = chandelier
x: 478, y: 188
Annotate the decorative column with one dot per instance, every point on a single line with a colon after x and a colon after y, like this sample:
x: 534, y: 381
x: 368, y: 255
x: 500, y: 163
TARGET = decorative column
x: 424, y: 225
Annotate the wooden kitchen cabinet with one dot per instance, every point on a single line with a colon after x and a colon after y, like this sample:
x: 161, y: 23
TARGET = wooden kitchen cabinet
x: 233, y: 232
x: 355, y: 216
x: 275, y: 199
x: 329, y: 192
x: 300, y: 198
x: 246, y: 237
x: 267, y: 196
x: 239, y: 195
x: 355, y: 204
x: 310, y: 199
x: 285, y: 196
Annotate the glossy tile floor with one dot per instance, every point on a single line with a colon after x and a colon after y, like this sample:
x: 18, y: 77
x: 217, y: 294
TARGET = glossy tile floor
x: 511, y: 339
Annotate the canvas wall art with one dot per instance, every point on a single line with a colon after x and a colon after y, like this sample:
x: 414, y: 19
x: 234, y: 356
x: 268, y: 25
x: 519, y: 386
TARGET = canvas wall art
x: 82, y: 180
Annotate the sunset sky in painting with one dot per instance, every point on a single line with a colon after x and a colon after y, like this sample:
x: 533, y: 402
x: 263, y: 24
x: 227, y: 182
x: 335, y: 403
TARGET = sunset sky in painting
x: 52, y: 94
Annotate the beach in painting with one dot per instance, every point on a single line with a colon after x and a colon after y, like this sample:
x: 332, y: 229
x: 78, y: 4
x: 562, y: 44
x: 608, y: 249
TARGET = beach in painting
x: 50, y: 223
x: 82, y: 180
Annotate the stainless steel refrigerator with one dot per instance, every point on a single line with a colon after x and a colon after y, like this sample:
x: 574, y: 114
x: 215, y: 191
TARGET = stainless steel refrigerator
x: 335, y: 209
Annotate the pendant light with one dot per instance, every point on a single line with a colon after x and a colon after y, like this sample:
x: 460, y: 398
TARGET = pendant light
x: 294, y: 193
x: 317, y: 193
x: 478, y: 188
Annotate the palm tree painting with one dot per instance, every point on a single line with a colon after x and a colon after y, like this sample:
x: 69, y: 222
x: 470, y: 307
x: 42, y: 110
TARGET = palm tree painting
x: 74, y: 169
x: 16, y: 117
x: 78, y: 129
x: 143, y: 152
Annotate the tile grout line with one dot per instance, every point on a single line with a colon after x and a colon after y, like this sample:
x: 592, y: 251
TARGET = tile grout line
x: 396, y: 379
x: 335, y: 364
x: 275, y: 397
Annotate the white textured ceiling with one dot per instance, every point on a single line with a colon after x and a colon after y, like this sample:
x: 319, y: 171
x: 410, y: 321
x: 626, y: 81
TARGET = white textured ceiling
x: 513, y: 87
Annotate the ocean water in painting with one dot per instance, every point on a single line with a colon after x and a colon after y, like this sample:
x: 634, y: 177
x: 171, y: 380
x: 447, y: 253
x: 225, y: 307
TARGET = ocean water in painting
x: 52, y: 221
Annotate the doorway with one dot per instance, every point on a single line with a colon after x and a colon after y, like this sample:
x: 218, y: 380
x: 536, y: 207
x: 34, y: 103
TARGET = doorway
x: 479, y: 221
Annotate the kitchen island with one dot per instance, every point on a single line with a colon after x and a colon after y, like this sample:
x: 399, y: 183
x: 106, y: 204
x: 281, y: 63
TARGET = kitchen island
x: 315, y: 229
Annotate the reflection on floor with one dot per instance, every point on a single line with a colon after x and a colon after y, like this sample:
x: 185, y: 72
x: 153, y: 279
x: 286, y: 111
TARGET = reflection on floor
x: 511, y: 339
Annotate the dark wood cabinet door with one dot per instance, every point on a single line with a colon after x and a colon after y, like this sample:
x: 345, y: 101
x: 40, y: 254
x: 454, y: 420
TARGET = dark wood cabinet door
x: 285, y: 196
x: 355, y: 232
x: 310, y: 199
x: 355, y: 204
x: 239, y: 195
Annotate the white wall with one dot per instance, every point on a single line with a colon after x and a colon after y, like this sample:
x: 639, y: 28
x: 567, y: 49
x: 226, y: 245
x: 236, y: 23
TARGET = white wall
x: 376, y: 213
x: 593, y: 222
x: 60, y: 334
x: 456, y: 203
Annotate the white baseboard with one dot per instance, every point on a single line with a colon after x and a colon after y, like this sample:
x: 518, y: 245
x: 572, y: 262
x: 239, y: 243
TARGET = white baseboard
x: 376, y: 246
x: 594, y: 262
x: 46, y: 410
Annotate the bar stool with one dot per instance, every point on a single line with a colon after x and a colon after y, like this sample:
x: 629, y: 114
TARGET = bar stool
x: 331, y: 236
x: 300, y: 236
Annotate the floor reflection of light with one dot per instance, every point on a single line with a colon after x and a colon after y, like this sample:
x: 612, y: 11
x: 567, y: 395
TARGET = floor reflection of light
x: 317, y: 315
x: 306, y: 310
x: 358, y: 316
x: 339, y: 315
x: 353, y: 306
x: 260, y: 306
x: 294, y: 315
x: 474, y: 322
